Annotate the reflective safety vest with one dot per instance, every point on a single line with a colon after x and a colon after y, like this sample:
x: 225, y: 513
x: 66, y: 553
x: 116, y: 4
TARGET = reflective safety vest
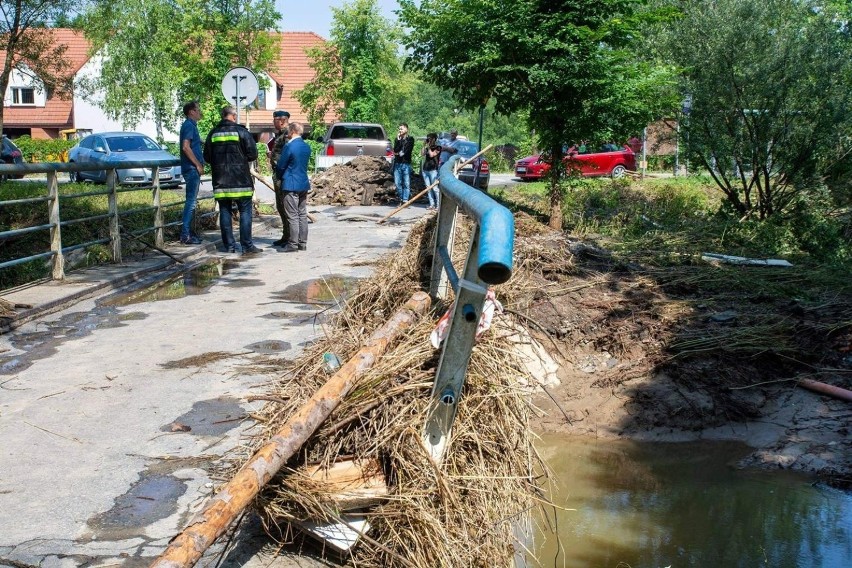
x: 229, y: 149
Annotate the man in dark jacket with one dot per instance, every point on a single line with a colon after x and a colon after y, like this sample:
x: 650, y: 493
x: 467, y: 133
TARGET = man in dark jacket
x: 229, y: 149
x: 280, y: 119
x: 292, y: 168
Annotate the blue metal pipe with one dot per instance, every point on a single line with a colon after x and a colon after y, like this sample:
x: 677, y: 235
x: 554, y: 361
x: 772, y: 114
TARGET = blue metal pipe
x: 496, y: 225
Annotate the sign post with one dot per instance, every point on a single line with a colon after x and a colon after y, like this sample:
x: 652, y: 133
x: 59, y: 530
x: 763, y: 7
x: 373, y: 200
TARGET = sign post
x: 240, y: 87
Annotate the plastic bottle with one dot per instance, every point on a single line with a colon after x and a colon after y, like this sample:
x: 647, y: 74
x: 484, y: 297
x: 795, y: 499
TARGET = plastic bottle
x: 330, y: 362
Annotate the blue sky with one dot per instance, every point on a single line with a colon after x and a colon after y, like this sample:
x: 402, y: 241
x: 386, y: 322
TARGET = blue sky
x: 315, y: 15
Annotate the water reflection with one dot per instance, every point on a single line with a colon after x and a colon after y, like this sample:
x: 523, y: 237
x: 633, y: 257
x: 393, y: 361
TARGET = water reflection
x: 197, y: 280
x: 658, y: 505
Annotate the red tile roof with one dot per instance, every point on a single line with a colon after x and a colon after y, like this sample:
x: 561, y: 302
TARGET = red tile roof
x: 57, y: 112
x: 292, y: 73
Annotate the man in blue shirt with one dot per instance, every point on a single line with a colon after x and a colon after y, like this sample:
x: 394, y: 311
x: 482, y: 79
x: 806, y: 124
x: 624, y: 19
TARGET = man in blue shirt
x: 192, y: 166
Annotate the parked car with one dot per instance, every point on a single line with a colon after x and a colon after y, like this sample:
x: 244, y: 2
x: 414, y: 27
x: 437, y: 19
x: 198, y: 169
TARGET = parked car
x: 476, y: 174
x: 613, y: 164
x: 11, y: 154
x: 356, y: 139
x: 112, y: 148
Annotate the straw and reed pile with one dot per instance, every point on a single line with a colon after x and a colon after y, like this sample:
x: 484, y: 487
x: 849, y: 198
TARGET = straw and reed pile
x: 467, y: 511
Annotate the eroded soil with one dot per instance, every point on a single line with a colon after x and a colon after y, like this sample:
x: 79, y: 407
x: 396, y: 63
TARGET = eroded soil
x: 689, y: 351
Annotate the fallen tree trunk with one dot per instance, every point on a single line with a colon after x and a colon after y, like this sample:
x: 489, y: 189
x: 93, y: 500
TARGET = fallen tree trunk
x: 187, y: 547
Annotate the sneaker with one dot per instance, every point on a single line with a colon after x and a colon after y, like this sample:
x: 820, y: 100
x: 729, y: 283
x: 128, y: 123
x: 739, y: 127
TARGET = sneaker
x: 291, y: 248
x: 252, y: 250
x: 190, y: 241
x: 303, y: 247
x: 280, y: 242
x: 231, y: 250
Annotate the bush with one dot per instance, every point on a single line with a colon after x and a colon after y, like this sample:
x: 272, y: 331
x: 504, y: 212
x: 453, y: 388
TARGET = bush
x: 44, y: 150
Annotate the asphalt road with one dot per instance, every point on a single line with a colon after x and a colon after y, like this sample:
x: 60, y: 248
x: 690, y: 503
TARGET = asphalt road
x: 115, y: 411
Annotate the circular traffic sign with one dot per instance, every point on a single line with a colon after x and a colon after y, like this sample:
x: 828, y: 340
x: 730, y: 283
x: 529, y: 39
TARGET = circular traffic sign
x: 240, y: 86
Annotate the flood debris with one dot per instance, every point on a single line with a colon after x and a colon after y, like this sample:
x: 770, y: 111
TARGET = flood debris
x: 729, y: 259
x: 364, y: 180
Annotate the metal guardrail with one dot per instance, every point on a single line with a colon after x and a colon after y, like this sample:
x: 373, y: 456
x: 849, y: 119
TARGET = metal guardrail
x: 57, y: 252
x: 489, y: 261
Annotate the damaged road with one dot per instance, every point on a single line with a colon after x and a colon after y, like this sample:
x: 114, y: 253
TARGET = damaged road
x: 115, y: 411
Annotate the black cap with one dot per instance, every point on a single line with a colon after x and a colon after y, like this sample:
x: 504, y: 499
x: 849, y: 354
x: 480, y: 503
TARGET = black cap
x: 280, y: 114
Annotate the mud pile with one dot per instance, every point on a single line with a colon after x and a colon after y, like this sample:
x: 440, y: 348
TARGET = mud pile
x: 363, y: 181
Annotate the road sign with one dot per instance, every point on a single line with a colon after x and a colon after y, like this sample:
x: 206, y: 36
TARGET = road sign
x: 240, y: 87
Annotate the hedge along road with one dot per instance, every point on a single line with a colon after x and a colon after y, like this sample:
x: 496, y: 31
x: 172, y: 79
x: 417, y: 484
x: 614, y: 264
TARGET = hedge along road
x: 114, y: 411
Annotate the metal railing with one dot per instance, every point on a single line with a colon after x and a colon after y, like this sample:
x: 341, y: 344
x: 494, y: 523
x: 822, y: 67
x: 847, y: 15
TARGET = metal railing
x: 57, y: 252
x: 489, y: 261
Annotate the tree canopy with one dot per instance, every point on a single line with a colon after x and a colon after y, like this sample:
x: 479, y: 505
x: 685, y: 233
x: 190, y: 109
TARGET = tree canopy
x: 157, y: 53
x: 357, y: 71
x: 769, y: 84
x: 569, y: 65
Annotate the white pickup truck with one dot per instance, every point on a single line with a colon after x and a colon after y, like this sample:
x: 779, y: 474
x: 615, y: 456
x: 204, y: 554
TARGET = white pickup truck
x: 346, y: 140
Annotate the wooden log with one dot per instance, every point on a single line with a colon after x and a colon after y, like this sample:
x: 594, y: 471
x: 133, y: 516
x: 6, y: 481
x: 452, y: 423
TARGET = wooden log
x: 350, y: 484
x: 213, y: 520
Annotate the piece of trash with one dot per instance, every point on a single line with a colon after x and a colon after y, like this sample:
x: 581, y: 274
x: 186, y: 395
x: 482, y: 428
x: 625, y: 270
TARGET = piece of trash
x: 178, y: 427
x: 488, y: 308
x: 726, y: 316
x: 728, y: 259
x: 330, y: 363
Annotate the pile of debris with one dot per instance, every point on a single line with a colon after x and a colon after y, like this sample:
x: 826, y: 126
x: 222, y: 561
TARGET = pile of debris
x: 362, y: 181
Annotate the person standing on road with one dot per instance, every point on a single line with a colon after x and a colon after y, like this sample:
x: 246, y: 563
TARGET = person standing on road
x: 448, y: 148
x: 292, y: 168
x: 192, y: 166
x: 402, y: 149
x: 429, y: 168
x: 229, y: 150
x: 280, y: 119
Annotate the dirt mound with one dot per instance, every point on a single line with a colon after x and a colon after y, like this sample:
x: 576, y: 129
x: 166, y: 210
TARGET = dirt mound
x: 349, y: 183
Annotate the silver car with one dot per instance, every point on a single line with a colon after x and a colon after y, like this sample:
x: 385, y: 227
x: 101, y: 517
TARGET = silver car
x: 112, y: 148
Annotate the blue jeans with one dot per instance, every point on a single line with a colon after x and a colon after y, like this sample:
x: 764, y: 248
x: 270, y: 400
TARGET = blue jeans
x: 434, y: 194
x: 225, y: 220
x: 402, y: 179
x: 192, y: 180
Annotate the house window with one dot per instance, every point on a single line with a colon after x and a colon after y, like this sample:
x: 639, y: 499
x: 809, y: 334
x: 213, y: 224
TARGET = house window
x: 23, y: 96
x: 260, y: 102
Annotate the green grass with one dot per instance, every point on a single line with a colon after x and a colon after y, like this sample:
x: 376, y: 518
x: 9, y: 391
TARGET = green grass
x: 32, y: 214
x: 665, y: 225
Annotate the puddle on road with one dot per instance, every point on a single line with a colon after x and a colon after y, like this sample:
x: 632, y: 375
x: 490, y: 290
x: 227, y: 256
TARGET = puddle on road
x: 325, y: 291
x: 44, y: 342
x: 211, y: 417
x: 624, y: 503
x: 152, y: 498
x: 269, y: 346
x: 192, y: 282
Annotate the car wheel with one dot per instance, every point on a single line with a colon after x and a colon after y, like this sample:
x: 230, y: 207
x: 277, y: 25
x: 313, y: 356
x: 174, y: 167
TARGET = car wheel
x: 74, y: 177
x: 618, y: 171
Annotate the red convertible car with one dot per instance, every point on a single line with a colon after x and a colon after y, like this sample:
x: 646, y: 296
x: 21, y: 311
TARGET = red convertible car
x: 613, y: 163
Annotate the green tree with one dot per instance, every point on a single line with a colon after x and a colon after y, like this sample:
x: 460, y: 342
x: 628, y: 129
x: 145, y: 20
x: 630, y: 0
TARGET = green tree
x: 156, y: 53
x: 357, y: 71
x: 30, y: 46
x: 568, y: 64
x: 137, y: 42
x: 770, y: 87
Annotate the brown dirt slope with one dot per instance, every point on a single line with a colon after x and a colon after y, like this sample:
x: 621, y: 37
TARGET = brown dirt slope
x: 690, y: 351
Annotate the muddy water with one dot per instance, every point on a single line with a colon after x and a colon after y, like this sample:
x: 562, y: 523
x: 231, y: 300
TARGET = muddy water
x: 660, y: 505
x: 194, y: 281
